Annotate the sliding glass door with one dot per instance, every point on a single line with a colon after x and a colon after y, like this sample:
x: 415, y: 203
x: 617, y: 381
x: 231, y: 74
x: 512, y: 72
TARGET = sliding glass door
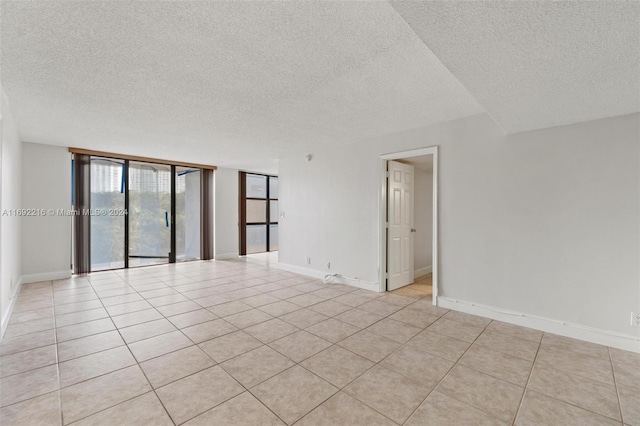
x: 134, y: 213
x: 149, y: 211
x: 107, y: 230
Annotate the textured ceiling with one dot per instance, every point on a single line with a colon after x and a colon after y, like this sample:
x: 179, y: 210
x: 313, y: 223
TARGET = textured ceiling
x: 540, y: 63
x: 227, y: 83
x: 240, y: 84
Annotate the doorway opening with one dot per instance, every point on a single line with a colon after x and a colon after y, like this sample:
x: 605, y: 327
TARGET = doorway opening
x: 409, y: 223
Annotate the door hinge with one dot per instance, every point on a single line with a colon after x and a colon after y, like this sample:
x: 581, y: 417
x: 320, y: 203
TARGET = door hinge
x: 386, y: 275
x: 386, y: 224
x: 388, y: 174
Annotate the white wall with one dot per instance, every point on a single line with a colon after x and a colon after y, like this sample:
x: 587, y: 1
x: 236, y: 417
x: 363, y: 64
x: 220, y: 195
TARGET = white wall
x: 330, y: 211
x: 10, y: 198
x: 423, y: 221
x: 225, y: 213
x: 46, y: 240
x: 543, y: 223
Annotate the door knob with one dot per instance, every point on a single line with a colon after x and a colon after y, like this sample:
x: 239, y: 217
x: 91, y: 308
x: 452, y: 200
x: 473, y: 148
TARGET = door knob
x: 413, y: 229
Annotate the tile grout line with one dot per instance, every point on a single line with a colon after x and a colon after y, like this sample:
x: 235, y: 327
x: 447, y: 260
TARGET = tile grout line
x: 226, y: 372
x: 342, y: 389
x: 117, y: 329
x: 142, y: 370
x: 332, y: 344
x: 139, y: 368
x: 153, y: 389
x: 49, y: 365
x: 615, y: 384
x: 248, y: 390
x: 266, y: 344
x: 571, y: 403
x: 526, y: 386
x: 55, y: 338
x: 375, y: 364
x: 449, y: 372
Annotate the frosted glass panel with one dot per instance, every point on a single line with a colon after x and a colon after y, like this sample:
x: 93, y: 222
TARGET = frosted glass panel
x: 273, y: 211
x: 273, y: 237
x: 256, y: 211
x: 256, y: 186
x: 273, y: 187
x: 256, y: 238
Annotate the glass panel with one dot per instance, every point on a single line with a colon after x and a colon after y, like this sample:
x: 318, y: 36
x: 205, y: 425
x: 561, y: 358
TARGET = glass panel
x: 256, y: 186
x: 256, y: 211
x: 273, y: 237
x: 273, y: 187
x: 187, y: 214
x: 256, y: 238
x: 149, y: 208
x: 273, y: 211
x: 107, y: 228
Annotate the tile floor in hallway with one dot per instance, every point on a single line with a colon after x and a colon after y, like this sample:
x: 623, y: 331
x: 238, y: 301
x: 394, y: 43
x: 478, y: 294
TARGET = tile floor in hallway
x: 421, y: 287
x: 240, y: 343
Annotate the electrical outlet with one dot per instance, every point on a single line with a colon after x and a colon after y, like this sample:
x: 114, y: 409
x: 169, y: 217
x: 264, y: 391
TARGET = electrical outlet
x: 635, y: 319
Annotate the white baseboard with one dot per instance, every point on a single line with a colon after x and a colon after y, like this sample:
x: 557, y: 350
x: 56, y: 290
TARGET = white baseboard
x: 590, y: 334
x: 422, y: 271
x: 224, y: 256
x: 46, y: 276
x: 366, y: 285
x: 7, y: 315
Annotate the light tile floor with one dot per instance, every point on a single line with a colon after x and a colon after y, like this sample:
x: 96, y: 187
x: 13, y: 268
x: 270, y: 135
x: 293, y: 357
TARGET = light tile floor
x: 421, y: 287
x: 241, y: 343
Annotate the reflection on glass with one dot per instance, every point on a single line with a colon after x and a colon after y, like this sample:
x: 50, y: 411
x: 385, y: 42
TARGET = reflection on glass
x: 149, y: 207
x: 273, y: 187
x: 256, y: 238
x: 256, y: 186
x: 256, y: 211
x: 273, y: 237
x: 187, y: 214
x: 107, y: 231
x: 273, y: 211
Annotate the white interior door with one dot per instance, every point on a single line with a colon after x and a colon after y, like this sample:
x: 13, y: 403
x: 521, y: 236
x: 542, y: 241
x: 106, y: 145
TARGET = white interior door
x: 400, y: 200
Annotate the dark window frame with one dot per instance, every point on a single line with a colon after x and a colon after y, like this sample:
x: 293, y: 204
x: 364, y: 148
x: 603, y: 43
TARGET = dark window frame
x: 242, y: 223
x: 81, y: 198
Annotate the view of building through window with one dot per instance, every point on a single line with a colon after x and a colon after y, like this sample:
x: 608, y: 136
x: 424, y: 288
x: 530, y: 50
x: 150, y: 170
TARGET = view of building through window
x: 149, y: 213
x: 260, y: 212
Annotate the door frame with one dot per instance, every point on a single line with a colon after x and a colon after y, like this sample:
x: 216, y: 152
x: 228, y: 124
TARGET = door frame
x: 382, y: 215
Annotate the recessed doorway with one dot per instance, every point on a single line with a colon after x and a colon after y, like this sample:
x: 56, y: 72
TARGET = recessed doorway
x: 408, y: 223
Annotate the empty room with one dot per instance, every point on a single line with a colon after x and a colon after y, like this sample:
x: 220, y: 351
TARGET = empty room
x: 326, y: 213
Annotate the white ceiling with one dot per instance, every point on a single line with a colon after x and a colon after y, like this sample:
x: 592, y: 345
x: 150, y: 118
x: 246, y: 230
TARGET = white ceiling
x: 424, y: 162
x: 537, y: 64
x: 227, y: 83
x: 240, y: 84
